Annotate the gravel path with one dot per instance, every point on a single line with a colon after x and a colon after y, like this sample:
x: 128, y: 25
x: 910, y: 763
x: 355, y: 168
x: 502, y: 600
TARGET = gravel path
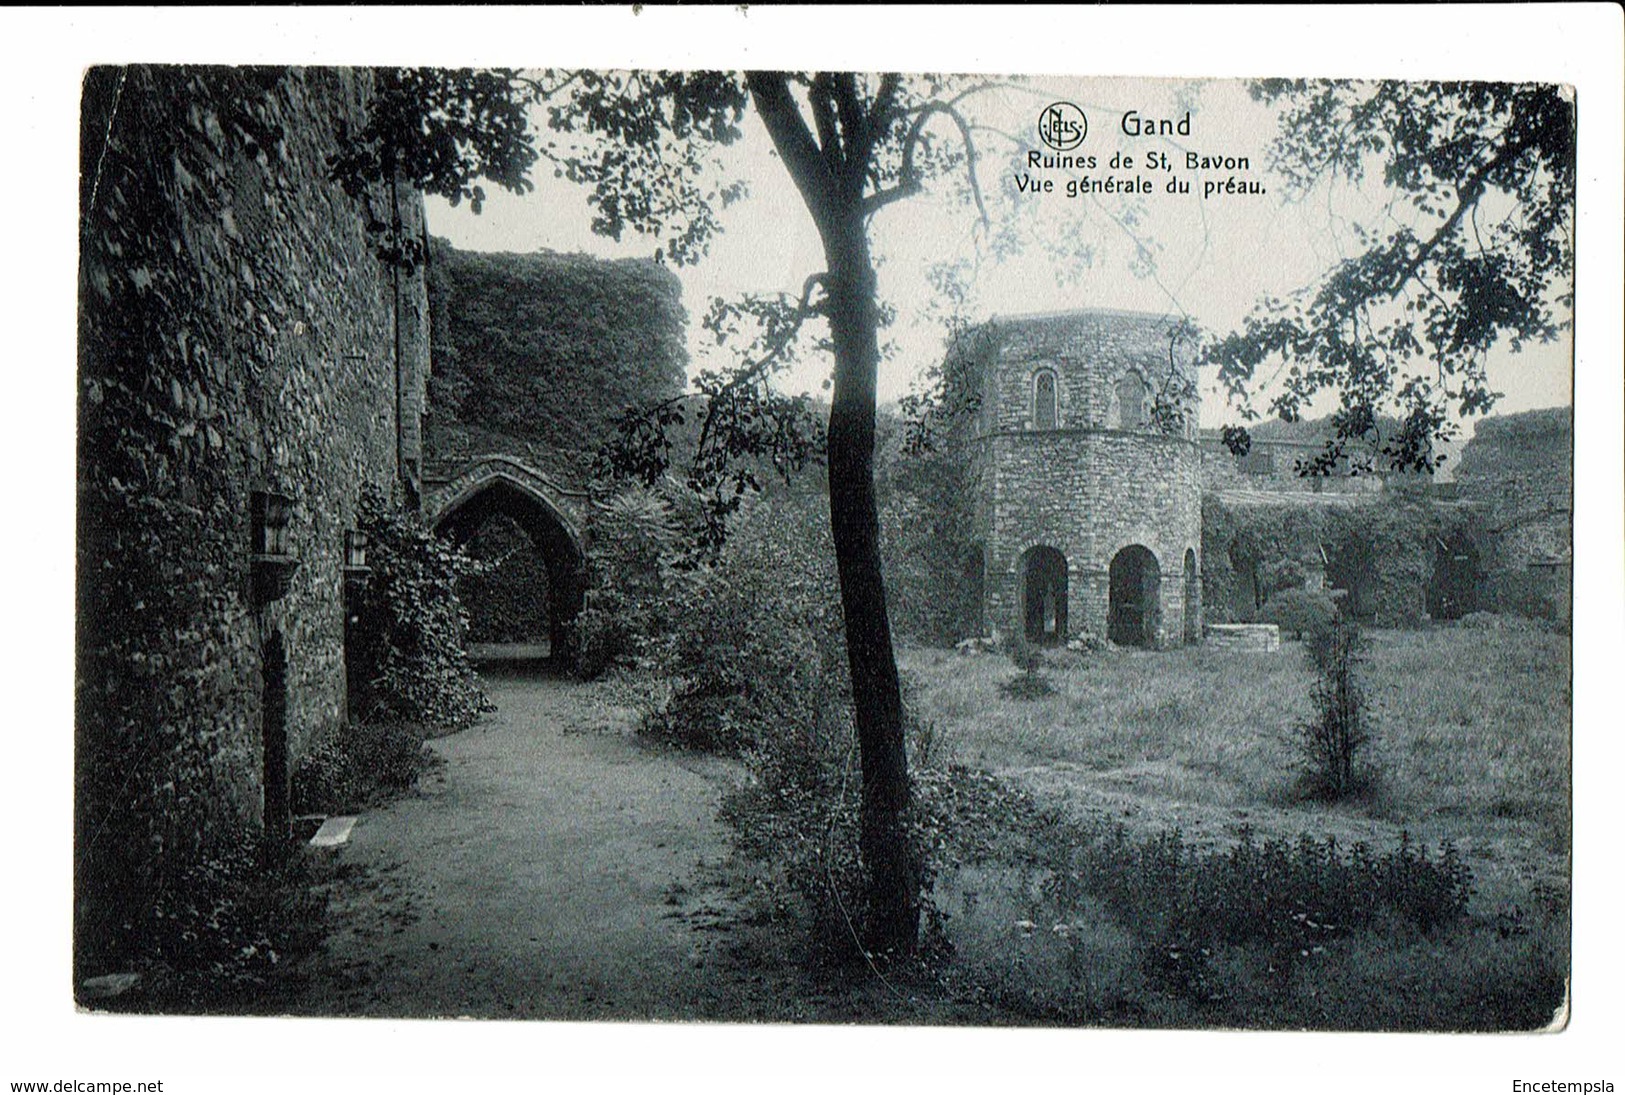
x: 548, y: 871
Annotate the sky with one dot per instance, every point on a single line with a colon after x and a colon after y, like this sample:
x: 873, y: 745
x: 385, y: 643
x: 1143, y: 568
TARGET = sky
x: 1211, y: 257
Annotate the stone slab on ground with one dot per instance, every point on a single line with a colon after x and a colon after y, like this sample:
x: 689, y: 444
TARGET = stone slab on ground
x: 334, y: 831
x: 1252, y: 638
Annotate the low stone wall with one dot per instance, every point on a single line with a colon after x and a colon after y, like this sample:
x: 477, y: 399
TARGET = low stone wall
x: 1253, y: 638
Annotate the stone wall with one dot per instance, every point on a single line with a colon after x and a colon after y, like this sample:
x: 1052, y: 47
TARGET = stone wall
x: 1088, y: 488
x: 1518, y: 470
x: 237, y: 335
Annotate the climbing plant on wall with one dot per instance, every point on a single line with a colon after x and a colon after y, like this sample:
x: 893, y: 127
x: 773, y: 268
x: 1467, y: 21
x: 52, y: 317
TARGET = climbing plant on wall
x: 412, y: 656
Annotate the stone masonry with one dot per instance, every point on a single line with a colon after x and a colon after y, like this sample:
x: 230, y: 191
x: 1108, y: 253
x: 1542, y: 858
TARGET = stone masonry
x: 239, y: 338
x: 1093, y: 479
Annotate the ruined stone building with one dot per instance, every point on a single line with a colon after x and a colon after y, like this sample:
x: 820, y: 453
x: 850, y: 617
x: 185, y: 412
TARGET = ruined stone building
x: 534, y: 357
x: 1087, y: 478
x: 1491, y: 533
x: 1518, y: 473
x: 252, y: 362
x: 1097, y: 510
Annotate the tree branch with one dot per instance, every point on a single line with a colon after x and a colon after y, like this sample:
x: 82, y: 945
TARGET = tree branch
x: 795, y: 145
x: 908, y: 176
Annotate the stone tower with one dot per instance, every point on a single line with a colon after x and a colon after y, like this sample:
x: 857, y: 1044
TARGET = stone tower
x: 1087, y: 478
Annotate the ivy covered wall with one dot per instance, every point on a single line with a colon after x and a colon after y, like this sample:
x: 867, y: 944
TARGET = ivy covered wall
x: 535, y: 354
x: 236, y: 335
x: 1382, y: 550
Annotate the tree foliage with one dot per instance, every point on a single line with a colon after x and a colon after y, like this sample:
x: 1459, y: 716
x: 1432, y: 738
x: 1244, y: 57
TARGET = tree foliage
x: 439, y: 131
x: 1477, y: 250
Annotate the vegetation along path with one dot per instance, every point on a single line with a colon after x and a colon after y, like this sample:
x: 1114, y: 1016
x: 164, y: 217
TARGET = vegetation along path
x: 549, y: 870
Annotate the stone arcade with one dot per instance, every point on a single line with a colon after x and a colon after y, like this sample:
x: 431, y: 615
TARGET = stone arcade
x: 1088, y: 512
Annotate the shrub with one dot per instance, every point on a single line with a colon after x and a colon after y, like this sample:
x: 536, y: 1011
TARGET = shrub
x: 412, y: 655
x: 1291, y: 899
x: 1331, y: 741
x: 1029, y: 683
x: 635, y: 537
x: 1300, y: 611
x: 753, y: 641
x: 361, y: 765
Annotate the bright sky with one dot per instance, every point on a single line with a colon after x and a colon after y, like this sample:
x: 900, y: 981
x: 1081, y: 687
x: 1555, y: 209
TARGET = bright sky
x: 1212, y: 257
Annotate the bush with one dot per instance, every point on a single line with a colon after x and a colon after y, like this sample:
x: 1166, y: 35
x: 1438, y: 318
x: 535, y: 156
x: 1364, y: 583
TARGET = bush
x: 1029, y: 683
x: 1302, y: 612
x: 635, y: 537
x: 1330, y: 743
x: 361, y: 765
x: 755, y: 653
x: 1290, y: 899
x: 412, y: 651
x: 754, y: 641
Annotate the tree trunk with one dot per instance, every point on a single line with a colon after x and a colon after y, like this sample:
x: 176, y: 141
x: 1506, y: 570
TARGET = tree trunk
x: 892, y: 873
x: 830, y: 176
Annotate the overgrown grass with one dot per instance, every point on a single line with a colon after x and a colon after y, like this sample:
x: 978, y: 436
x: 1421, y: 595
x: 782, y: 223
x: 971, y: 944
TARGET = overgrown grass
x: 1203, y: 723
x: 1329, y: 916
x: 1471, y: 725
x: 1072, y: 922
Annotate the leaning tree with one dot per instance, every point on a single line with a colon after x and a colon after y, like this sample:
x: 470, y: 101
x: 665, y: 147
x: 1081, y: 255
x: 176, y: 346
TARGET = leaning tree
x: 1476, y: 251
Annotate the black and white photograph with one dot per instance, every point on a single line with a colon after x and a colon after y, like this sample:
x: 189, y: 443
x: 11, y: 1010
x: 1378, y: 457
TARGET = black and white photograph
x: 724, y: 539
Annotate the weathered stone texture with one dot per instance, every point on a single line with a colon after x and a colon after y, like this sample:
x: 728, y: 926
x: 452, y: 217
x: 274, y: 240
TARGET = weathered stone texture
x: 1249, y: 638
x: 237, y: 334
x: 1087, y: 488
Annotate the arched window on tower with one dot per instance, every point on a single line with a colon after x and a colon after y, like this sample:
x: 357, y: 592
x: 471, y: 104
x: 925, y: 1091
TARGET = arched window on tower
x: 1131, y: 399
x: 1044, y: 416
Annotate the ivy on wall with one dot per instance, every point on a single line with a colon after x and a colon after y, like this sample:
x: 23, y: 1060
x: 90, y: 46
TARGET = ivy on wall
x: 538, y: 354
x: 1381, y: 551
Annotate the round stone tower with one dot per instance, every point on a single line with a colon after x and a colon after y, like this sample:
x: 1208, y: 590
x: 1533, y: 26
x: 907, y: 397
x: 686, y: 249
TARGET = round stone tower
x: 1087, y: 471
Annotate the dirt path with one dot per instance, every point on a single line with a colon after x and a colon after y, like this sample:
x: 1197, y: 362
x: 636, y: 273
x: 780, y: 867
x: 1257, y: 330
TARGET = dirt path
x: 548, y: 871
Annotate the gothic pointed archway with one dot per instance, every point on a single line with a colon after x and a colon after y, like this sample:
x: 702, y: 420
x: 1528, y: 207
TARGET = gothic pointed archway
x: 515, y: 518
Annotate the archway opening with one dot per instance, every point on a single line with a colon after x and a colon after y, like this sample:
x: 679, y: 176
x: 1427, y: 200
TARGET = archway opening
x: 1453, y: 591
x: 1043, y: 596
x: 1136, y: 582
x: 1351, y: 572
x: 1193, y: 598
x: 1245, y: 599
x: 524, y: 605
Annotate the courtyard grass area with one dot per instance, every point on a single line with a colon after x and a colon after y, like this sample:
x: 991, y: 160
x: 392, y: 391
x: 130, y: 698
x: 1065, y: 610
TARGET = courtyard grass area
x: 1473, y: 747
x: 1473, y: 740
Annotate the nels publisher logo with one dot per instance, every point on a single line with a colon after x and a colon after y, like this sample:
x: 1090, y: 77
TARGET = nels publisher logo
x: 1062, y: 126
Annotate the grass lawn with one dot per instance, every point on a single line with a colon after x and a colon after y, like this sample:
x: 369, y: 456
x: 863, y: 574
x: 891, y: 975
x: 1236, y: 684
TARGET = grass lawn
x: 1472, y: 746
x: 1472, y: 737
